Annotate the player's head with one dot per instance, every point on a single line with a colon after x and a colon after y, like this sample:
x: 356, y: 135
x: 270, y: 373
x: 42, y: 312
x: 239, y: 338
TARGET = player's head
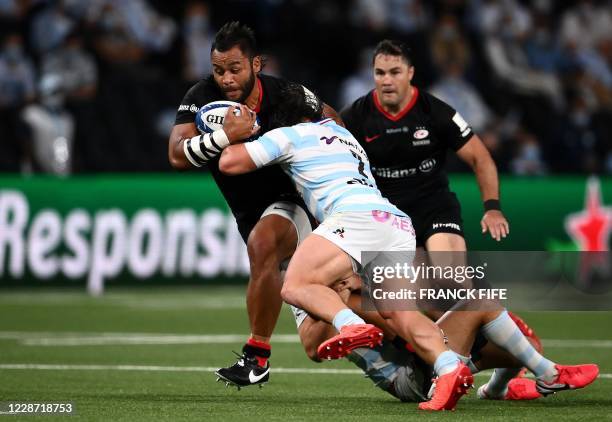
x: 393, y: 72
x: 235, y: 61
x: 296, y: 106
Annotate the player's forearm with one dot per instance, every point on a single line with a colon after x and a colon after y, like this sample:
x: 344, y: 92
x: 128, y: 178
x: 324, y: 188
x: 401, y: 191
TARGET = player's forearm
x: 176, y: 156
x: 486, y: 175
x: 196, y: 151
x: 476, y: 155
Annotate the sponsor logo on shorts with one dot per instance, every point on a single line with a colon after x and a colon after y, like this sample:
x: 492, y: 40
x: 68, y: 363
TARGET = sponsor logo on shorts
x: 453, y: 226
x: 380, y: 216
x: 339, y: 232
x: 403, y: 224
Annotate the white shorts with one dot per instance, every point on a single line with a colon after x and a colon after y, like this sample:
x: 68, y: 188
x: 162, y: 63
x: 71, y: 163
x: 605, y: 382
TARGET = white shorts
x: 358, y: 232
x: 373, y: 231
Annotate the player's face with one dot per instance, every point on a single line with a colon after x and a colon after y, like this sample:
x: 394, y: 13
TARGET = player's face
x: 392, y: 76
x: 234, y: 73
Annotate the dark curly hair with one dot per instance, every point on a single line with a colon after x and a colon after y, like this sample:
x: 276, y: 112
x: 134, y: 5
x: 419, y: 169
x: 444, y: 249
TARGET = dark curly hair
x: 296, y: 106
x: 235, y: 34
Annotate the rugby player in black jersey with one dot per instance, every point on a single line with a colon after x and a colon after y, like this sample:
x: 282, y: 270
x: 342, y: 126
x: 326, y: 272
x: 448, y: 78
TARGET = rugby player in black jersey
x: 269, y: 213
x: 406, y: 133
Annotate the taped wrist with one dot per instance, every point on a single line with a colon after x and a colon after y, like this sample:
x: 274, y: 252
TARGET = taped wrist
x: 200, y: 149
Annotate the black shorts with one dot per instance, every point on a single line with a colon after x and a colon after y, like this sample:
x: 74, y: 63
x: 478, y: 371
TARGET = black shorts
x: 437, y: 213
x: 246, y: 221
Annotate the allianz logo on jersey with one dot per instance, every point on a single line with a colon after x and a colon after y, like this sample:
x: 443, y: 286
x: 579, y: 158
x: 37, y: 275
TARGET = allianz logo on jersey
x: 426, y: 166
x: 188, y: 107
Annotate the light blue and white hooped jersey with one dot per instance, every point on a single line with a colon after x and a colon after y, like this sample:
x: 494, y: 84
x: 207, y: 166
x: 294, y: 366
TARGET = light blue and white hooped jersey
x: 328, y: 166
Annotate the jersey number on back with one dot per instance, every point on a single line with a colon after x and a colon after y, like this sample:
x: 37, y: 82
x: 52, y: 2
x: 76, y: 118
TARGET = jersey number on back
x: 360, y: 167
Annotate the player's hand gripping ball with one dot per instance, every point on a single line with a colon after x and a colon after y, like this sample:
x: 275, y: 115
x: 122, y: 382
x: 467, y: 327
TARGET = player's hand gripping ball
x: 211, y: 116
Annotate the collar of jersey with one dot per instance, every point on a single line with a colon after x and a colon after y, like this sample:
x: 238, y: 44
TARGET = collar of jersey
x: 402, y: 113
x: 261, y: 94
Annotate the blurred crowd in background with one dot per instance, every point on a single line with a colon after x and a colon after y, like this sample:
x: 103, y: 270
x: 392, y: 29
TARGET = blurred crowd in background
x: 93, y: 85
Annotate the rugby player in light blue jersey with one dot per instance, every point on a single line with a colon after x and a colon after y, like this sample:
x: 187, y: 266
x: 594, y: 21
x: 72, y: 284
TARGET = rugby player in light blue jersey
x: 332, y: 172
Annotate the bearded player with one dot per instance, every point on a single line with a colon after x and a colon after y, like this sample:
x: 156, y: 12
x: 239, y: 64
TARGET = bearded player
x: 407, y: 133
x: 269, y: 213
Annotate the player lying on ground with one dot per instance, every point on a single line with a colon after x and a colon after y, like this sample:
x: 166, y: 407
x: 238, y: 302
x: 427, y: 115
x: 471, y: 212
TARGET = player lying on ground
x: 482, y: 340
x: 332, y: 173
x: 268, y: 211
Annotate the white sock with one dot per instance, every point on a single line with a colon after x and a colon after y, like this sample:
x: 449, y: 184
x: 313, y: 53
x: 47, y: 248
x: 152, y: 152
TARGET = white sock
x: 497, y: 387
x: 346, y: 317
x: 446, y: 362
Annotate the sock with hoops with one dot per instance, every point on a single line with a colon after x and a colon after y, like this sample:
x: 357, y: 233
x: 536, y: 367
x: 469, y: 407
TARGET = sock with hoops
x: 258, y: 349
x: 503, y: 332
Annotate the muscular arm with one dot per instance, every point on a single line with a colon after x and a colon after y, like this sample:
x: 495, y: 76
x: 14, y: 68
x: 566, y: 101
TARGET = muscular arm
x: 236, y: 160
x: 476, y: 155
x: 179, y: 133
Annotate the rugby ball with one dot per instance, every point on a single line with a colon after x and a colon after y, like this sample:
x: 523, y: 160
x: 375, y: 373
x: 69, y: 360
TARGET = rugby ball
x: 211, y: 116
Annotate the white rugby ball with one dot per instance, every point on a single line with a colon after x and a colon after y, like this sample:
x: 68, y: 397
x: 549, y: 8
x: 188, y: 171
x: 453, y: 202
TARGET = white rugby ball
x: 211, y: 116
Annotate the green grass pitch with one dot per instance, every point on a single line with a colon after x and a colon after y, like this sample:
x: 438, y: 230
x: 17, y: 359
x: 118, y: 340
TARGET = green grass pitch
x: 148, y: 354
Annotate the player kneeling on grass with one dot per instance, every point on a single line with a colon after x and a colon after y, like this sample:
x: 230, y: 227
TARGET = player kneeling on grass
x: 332, y: 173
x: 481, y: 339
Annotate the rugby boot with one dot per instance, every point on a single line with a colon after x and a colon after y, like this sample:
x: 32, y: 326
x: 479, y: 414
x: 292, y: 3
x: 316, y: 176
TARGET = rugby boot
x: 449, y: 388
x: 568, y: 378
x: 245, y: 372
x: 350, y: 337
x: 518, y: 389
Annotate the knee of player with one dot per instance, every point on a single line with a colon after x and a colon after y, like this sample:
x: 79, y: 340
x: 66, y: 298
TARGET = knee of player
x: 262, y: 248
x: 288, y: 291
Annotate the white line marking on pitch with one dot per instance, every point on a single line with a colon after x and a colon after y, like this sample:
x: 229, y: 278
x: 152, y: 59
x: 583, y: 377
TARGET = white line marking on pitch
x: 154, y: 368
x: 150, y: 339
x: 111, y: 338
